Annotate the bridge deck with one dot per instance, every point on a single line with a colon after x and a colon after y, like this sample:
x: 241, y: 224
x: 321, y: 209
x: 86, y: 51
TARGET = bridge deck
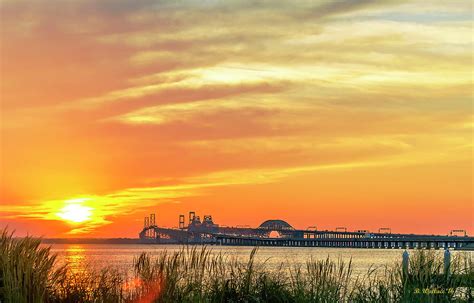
x: 301, y: 238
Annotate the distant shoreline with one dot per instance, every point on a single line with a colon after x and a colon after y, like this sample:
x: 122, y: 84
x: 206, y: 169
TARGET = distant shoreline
x: 91, y: 241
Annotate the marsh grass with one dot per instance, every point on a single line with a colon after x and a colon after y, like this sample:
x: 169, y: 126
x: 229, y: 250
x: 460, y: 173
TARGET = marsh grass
x: 196, y: 275
x: 27, y: 270
x: 427, y: 279
x: 30, y: 273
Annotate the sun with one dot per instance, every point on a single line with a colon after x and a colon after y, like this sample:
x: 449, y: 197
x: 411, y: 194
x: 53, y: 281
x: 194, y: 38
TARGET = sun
x: 75, y: 212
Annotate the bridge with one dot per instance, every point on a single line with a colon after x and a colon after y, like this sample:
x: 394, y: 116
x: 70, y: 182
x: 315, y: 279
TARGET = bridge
x: 281, y: 233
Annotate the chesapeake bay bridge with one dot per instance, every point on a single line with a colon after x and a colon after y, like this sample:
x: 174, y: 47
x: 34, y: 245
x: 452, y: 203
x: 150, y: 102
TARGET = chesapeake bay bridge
x: 280, y: 233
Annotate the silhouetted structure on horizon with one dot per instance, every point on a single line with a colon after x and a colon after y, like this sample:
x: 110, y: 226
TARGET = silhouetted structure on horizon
x: 207, y: 232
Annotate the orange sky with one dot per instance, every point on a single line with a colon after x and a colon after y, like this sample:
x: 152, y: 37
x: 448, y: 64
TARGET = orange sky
x: 342, y: 113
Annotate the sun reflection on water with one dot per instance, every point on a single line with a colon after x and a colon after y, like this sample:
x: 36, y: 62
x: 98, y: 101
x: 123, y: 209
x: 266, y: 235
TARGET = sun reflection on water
x: 75, y: 257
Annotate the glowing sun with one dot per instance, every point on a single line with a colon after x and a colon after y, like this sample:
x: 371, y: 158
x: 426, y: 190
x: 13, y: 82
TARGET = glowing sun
x: 75, y: 213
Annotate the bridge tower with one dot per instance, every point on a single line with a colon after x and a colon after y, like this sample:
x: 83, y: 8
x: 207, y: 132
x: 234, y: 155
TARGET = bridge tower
x: 146, y: 223
x: 181, y: 221
x: 191, y: 216
x: 152, y: 233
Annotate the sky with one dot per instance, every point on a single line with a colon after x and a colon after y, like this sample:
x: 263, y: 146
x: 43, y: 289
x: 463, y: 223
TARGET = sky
x: 320, y: 113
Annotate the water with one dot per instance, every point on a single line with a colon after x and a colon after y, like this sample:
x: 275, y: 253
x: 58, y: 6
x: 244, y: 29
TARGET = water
x: 120, y: 256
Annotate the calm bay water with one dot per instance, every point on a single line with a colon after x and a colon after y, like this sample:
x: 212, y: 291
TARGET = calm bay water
x: 81, y: 256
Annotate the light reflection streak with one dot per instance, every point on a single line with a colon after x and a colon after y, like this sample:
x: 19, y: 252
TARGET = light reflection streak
x: 75, y: 257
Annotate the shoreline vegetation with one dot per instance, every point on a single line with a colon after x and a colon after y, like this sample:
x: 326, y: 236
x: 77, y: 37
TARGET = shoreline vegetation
x: 30, y: 273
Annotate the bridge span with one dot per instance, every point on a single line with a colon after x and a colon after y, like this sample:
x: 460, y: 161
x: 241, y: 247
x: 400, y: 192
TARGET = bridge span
x: 280, y: 233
